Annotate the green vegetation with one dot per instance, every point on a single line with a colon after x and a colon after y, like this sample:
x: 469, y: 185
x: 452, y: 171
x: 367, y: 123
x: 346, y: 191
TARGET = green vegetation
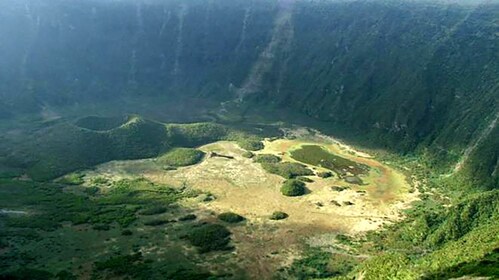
x: 72, y: 179
x: 155, y: 210
x: 157, y: 222
x: 278, y: 215
x: 318, y: 156
x: 319, y: 264
x: 210, y: 237
x: 188, y: 217
x: 359, y: 57
x: 439, y: 243
x: 230, y: 217
x: 287, y: 170
x: 325, y: 174
x: 90, y: 221
x: 250, y: 144
x: 248, y: 154
x: 62, y: 147
x: 293, y: 188
x: 181, y: 157
x: 267, y: 158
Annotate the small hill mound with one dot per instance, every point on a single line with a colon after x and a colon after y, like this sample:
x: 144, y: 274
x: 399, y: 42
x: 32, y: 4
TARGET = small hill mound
x: 181, y: 157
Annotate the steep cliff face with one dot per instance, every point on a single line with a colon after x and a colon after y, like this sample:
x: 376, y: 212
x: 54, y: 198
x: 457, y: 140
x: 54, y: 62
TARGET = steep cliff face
x: 62, y: 52
x: 407, y: 75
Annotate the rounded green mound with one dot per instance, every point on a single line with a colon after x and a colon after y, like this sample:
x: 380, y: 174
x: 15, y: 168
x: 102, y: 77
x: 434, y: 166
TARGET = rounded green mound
x: 293, y: 188
x: 101, y: 123
x: 250, y: 144
x: 181, y: 157
x: 279, y: 215
x: 210, y: 237
x: 230, y: 217
x: 267, y: 158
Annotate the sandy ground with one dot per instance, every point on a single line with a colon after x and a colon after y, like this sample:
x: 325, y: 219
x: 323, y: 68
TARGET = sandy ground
x: 242, y: 186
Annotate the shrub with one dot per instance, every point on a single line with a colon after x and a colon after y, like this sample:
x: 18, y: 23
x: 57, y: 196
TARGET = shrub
x: 266, y: 158
x: 126, y: 232
x: 325, y: 174
x: 157, y: 222
x: 287, y: 170
x: 230, y: 217
x: 101, y: 227
x: 293, y: 188
x: 188, y: 217
x: 154, y: 211
x: 248, y: 154
x: 278, y: 215
x: 181, y: 157
x: 251, y: 144
x: 210, y: 237
x: 130, y: 265
x: 72, y: 179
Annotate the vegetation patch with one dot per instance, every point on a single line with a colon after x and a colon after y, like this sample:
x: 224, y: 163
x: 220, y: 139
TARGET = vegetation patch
x: 325, y: 174
x: 158, y: 222
x: 319, y: 264
x: 188, y: 217
x: 181, y: 157
x: 251, y: 144
x: 248, y: 154
x: 210, y: 237
x: 279, y: 215
x: 318, y: 156
x: 230, y: 217
x: 267, y: 158
x: 130, y: 265
x: 293, y: 188
x: 154, y: 210
x: 72, y: 179
x: 287, y: 170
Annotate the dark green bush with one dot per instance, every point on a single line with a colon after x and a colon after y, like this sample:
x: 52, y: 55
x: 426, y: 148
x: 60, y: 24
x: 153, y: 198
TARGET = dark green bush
x: 153, y: 210
x: 287, y: 170
x: 293, y: 188
x: 101, y: 227
x: 157, y: 222
x: 251, y: 144
x: 325, y: 174
x: 279, y: 215
x: 267, y: 158
x: 230, y: 217
x: 130, y: 265
x: 188, y: 217
x: 126, y: 232
x: 210, y: 237
x: 248, y: 154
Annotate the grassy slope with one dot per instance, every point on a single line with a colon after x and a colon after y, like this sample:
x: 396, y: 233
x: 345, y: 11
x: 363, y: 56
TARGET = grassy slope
x: 64, y: 147
x: 67, y: 229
